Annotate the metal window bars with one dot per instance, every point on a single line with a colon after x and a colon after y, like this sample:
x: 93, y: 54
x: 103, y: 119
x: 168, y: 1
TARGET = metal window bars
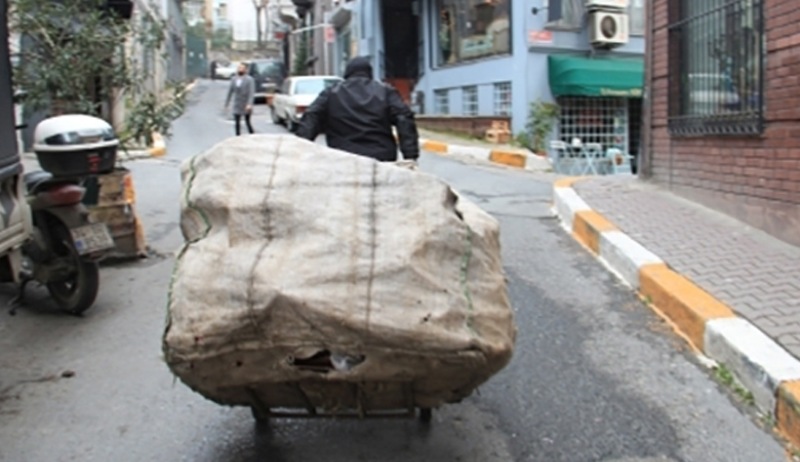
x: 594, y: 120
x: 716, y: 67
x: 592, y: 136
x: 470, y: 98
x: 502, y: 99
x: 441, y: 102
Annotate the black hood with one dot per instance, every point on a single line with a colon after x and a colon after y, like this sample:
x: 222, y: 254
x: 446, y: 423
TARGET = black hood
x: 358, y: 67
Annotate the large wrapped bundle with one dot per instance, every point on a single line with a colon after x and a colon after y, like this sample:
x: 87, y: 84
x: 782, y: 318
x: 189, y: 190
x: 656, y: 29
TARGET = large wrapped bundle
x: 318, y: 279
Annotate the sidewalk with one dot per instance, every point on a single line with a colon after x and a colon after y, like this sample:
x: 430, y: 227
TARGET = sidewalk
x: 721, y: 283
x: 474, y: 149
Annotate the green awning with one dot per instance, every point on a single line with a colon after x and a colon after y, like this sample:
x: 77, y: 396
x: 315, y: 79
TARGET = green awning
x: 572, y: 75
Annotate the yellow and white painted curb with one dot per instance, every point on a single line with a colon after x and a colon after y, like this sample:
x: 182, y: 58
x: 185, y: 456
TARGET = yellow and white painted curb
x: 159, y: 147
x: 762, y: 366
x: 508, y: 157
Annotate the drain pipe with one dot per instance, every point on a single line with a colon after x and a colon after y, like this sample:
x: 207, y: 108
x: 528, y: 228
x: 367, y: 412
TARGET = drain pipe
x: 646, y: 167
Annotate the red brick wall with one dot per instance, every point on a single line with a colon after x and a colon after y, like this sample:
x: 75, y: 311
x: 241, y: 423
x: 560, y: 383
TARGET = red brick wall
x: 755, y: 179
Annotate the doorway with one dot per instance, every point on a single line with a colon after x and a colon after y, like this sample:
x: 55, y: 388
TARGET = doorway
x: 401, y: 36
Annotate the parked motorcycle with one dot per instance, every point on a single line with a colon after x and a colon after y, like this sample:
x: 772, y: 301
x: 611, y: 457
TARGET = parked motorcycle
x: 45, y: 233
x: 47, y: 237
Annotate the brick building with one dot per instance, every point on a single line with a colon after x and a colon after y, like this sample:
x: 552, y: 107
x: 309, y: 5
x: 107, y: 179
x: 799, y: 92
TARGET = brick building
x: 724, y: 114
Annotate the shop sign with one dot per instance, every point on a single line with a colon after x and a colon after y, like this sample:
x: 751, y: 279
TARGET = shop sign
x: 540, y: 37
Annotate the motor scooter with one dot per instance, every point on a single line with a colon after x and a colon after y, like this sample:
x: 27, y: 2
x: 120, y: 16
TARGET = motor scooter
x: 48, y: 237
x: 64, y: 247
x: 45, y: 233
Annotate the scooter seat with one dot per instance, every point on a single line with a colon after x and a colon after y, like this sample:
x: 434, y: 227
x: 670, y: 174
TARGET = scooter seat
x: 35, y: 179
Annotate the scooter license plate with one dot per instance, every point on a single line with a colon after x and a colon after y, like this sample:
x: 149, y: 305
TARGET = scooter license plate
x: 92, y: 238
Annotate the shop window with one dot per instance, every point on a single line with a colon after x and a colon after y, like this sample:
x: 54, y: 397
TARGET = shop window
x: 502, y: 99
x: 472, y: 29
x: 594, y: 120
x: 470, y: 95
x: 564, y: 14
x: 441, y: 102
x: 636, y: 17
x: 716, y: 67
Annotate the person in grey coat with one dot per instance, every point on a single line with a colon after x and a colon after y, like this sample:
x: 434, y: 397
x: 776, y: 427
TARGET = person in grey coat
x: 242, y: 91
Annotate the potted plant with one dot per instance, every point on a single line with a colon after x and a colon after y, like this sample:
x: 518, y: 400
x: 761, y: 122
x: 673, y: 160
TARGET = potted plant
x: 541, y: 118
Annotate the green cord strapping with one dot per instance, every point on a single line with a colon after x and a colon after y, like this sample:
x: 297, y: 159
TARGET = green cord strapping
x: 465, y: 261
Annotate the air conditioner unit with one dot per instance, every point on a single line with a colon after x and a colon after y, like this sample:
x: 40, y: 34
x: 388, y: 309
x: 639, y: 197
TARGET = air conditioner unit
x: 608, y: 29
x: 592, y: 5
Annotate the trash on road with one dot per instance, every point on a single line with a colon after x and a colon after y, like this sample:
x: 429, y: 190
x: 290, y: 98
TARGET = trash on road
x: 317, y: 280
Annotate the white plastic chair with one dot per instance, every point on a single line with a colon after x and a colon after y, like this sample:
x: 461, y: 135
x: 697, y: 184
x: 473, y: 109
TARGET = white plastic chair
x: 560, y: 156
x: 620, y: 161
x: 591, y: 153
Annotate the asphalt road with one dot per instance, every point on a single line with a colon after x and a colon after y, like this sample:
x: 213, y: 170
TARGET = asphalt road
x: 595, y: 376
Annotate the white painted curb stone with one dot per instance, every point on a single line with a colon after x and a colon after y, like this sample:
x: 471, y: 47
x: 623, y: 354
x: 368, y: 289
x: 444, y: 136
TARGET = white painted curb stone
x: 567, y: 204
x: 471, y: 152
x: 755, y: 359
x: 625, y: 256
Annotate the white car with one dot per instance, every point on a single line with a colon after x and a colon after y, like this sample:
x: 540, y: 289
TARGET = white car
x: 226, y: 71
x: 295, y: 95
x: 711, y: 94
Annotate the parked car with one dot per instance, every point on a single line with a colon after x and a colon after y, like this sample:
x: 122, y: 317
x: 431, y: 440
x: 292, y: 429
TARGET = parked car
x: 268, y: 74
x: 226, y: 71
x: 712, y: 94
x: 296, y: 94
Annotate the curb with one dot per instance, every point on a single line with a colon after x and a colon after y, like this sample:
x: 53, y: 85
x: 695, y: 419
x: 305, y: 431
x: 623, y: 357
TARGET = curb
x: 711, y: 327
x: 508, y: 157
x: 159, y: 147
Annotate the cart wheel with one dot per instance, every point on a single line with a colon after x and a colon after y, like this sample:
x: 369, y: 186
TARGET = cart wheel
x: 260, y: 417
x: 425, y: 414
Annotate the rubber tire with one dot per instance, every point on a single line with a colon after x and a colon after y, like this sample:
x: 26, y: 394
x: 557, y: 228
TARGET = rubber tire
x: 259, y: 418
x: 425, y: 415
x: 275, y: 119
x: 80, y: 298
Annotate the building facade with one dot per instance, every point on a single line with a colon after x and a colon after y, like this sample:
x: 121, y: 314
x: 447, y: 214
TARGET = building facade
x: 245, y: 24
x: 172, y: 12
x: 725, y: 112
x: 475, y: 58
x: 219, y: 14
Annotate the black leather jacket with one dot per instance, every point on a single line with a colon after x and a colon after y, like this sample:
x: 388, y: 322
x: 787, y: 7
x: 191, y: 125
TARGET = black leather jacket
x: 357, y: 116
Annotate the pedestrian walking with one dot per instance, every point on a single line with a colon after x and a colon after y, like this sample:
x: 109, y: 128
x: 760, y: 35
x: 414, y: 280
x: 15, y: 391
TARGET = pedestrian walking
x: 242, y: 91
x: 357, y: 116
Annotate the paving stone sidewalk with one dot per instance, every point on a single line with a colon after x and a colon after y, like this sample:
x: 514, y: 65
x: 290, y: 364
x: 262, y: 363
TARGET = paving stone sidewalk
x: 755, y: 274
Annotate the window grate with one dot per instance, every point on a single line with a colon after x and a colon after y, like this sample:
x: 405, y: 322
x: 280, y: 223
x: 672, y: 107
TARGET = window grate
x: 594, y: 120
x: 470, y: 101
x: 716, y: 78
x: 441, y: 102
x: 502, y: 99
